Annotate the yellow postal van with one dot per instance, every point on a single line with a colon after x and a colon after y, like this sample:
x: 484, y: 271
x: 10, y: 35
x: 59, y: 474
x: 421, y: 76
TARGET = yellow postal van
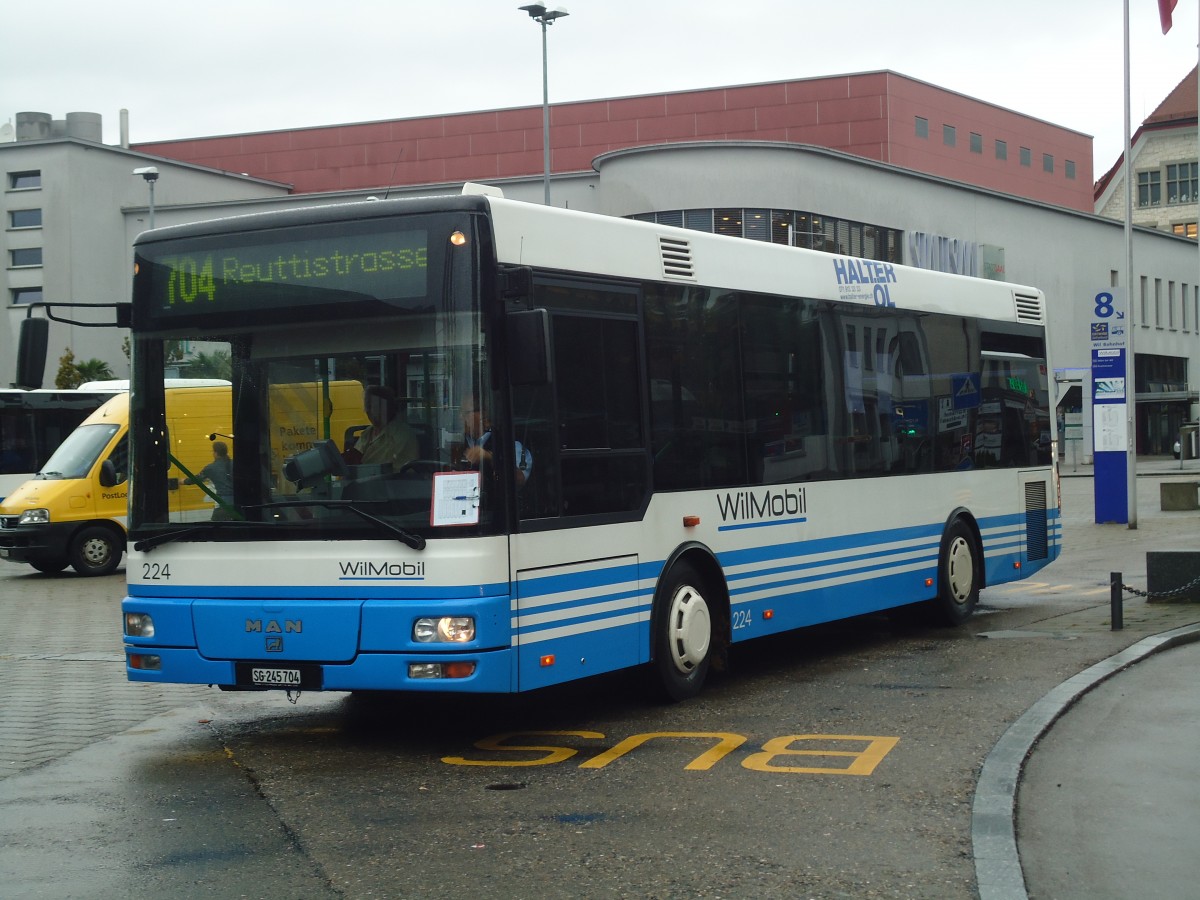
x: 73, y: 512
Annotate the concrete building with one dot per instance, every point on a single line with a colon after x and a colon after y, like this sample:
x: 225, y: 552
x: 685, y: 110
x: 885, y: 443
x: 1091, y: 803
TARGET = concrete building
x: 68, y: 231
x: 1166, y: 197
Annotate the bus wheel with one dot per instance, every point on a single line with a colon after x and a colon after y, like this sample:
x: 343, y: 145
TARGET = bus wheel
x: 95, y: 551
x: 958, y: 575
x: 683, y: 633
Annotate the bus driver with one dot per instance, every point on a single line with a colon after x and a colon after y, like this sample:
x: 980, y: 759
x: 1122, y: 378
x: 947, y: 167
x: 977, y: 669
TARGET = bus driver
x: 477, y: 435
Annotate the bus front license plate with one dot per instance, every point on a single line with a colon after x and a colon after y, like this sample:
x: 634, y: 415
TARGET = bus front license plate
x: 275, y: 677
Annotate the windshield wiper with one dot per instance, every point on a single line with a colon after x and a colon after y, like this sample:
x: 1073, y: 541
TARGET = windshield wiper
x: 165, y: 537
x: 415, y: 541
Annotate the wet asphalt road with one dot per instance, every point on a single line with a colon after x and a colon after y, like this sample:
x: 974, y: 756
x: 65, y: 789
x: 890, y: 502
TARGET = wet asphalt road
x: 109, y: 789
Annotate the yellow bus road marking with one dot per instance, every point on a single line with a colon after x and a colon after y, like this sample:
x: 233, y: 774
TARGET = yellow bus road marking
x: 863, y: 752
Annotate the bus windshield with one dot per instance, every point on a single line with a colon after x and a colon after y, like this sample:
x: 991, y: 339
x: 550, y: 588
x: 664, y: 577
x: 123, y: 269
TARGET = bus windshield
x: 334, y: 426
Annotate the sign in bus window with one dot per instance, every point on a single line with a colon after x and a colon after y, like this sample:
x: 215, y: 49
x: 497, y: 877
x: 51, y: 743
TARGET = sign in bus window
x: 455, y: 499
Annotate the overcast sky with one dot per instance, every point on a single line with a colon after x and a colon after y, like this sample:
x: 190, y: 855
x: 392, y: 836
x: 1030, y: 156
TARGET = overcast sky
x: 190, y: 69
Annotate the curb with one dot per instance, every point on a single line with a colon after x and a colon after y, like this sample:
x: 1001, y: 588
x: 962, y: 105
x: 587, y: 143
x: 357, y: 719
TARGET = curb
x: 998, y: 872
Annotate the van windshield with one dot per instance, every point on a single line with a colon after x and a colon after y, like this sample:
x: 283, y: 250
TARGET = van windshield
x: 77, y: 454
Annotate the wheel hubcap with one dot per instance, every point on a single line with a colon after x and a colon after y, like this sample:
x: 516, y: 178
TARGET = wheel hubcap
x: 96, y: 552
x: 689, y: 631
x: 960, y: 570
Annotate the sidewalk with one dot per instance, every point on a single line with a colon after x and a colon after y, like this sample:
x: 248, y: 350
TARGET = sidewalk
x: 1095, y: 791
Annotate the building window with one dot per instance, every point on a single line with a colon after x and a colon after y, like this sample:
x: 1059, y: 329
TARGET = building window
x: 28, y: 256
x: 1149, y: 188
x: 1184, y: 229
x: 1001, y: 149
x: 1181, y: 183
x: 922, y: 127
x: 797, y: 229
x: 1048, y: 163
x: 1069, y: 166
x: 25, y: 218
x: 728, y: 222
x: 26, y: 295
x: 1026, y: 157
x: 24, y: 181
x: 949, y: 135
x: 976, y: 142
x: 698, y: 219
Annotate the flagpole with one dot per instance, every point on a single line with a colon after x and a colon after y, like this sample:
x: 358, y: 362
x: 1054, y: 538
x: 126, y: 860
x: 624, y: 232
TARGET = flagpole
x: 1130, y: 368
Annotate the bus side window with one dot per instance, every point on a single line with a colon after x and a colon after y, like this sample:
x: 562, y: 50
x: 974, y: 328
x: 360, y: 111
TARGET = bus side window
x: 598, y: 379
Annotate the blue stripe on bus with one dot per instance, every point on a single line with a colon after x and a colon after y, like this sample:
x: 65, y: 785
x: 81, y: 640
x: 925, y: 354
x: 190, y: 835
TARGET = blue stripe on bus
x: 780, y: 570
x: 762, y: 524
x: 538, y: 586
x: 904, y: 567
x: 850, y: 575
x: 320, y: 592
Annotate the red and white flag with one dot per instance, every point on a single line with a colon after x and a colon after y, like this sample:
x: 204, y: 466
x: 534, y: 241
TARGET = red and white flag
x: 1165, y: 8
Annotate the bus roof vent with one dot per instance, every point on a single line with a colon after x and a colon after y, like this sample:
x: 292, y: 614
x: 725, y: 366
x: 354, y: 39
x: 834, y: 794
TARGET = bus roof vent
x: 1029, y: 309
x: 676, y: 258
x: 472, y: 188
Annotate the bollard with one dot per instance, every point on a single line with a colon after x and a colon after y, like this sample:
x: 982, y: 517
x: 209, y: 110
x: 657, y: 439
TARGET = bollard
x: 1118, y: 614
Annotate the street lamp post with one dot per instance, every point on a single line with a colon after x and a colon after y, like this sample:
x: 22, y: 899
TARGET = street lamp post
x: 150, y: 173
x: 545, y: 16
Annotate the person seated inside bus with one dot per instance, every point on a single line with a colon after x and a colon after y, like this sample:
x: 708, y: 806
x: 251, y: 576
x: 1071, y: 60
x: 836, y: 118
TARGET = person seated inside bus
x: 388, y: 439
x: 477, y: 436
x: 219, y: 473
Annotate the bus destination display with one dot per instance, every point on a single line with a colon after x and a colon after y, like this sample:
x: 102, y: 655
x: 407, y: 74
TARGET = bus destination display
x: 303, y: 272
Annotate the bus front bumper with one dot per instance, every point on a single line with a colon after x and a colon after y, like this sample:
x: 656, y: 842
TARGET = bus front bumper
x: 319, y: 644
x: 489, y: 671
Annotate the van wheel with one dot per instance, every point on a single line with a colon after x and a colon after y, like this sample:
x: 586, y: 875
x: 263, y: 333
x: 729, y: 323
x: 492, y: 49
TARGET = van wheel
x: 958, y: 575
x: 96, y: 550
x: 683, y: 633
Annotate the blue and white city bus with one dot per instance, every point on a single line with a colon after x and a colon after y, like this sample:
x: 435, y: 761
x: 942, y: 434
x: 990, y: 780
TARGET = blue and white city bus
x: 691, y: 441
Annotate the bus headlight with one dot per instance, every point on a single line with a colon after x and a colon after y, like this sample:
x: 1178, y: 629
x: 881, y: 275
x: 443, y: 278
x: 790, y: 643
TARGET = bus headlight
x: 139, y: 625
x: 445, y: 630
x: 34, y: 517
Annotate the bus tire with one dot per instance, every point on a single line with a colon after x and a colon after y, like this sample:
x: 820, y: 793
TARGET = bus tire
x: 96, y: 550
x: 49, y: 566
x: 958, y: 575
x: 683, y: 633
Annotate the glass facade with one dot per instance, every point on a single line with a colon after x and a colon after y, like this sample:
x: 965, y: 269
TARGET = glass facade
x: 795, y: 228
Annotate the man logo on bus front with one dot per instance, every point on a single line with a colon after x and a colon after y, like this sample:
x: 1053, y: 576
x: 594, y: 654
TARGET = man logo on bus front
x: 274, y: 645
